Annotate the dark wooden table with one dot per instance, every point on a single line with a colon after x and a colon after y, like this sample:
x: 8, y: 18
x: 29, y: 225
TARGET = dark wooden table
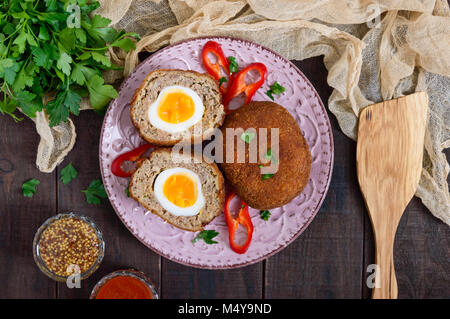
x: 329, y: 260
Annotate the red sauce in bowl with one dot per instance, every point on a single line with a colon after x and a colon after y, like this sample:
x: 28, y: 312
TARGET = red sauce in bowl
x: 124, y: 287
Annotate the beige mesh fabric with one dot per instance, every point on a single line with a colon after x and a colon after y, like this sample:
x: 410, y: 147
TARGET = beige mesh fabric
x: 56, y: 142
x: 373, y: 50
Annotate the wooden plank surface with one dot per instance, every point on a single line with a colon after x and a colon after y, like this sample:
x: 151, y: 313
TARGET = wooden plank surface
x: 184, y: 282
x: 421, y: 255
x: 20, y: 217
x: 122, y: 249
x: 327, y: 261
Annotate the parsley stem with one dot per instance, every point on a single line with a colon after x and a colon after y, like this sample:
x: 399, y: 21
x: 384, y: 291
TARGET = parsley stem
x: 15, y: 31
x: 32, y: 33
x: 105, y: 47
x: 7, y: 49
x: 122, y: 36
x: 91, y: 49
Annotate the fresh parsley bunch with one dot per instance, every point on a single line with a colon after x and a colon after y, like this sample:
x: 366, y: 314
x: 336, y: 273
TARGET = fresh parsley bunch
x: 58, y: 47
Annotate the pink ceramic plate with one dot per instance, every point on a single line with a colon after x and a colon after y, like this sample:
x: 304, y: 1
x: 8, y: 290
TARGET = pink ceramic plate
x: 286, y: 223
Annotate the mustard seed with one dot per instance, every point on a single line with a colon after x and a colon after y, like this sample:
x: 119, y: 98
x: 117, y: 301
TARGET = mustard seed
x: 69, y: 241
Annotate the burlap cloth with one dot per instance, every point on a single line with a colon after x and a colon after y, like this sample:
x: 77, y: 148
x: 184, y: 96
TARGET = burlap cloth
x: 373, y: 50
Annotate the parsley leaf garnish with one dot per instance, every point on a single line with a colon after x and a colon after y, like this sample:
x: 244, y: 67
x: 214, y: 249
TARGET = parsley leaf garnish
x: 22, y: 40
x: 41, y: 53
x: 270, y: 156
x: 43, y: 56
x: 222, y: 80
x: 68, y: 174
x: 24, y: 78
x: 8, y: 70
x: 98, y: 29
x: 269, y: 94
x: 99, y: 93
x: 64, y: 62
x: 52, y: 5
x: 29, y: 103
x: 95, y: 192
x: 127, y: 191
x: 125, y: 44
x: 29, y: 187
x: 275, y: 88
x: 66, y: 102
x: 43, y: 33
x: 266, y: 176
x: 207, y: 236
x: 265, y: 214
x: 234, y: 67
x: 247, y: 137
x: 101, y: 58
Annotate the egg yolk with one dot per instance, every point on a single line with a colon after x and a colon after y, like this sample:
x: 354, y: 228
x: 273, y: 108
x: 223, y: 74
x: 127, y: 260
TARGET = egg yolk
x: 181, y: 190
x: 176, y: 107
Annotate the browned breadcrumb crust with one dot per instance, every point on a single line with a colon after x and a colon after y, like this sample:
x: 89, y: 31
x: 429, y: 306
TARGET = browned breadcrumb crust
x: 294, y: 157
x: 162, y: 213
x: 208, y: 131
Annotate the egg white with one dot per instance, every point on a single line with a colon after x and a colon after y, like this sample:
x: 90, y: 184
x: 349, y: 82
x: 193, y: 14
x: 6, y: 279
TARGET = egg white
x: 157, y: 122
x: 168, y: 205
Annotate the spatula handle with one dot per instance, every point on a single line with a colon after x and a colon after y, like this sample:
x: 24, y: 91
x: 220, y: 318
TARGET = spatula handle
x: 385, y: 276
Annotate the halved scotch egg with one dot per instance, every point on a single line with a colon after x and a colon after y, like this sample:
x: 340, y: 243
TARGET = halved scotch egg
x: 179, y: 191
x: 176, y: 109
x: 174, y: 105
x: 184, y: 190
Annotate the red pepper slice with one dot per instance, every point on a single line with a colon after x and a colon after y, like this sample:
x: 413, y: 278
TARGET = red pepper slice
x: 233, y: 224
x: 238, y: 84
x: 131, y: 156
x: 214, y: 68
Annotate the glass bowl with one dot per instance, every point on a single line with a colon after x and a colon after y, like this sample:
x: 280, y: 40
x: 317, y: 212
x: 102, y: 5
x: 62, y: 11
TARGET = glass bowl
x: 125, y: 272
x: 37, y: 237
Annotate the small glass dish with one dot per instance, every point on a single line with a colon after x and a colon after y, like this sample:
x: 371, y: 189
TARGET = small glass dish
x: 36, y: 244
x: 125, y: 272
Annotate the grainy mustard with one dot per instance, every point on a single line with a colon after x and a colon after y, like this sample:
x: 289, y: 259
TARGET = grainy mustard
x: 69, y: 241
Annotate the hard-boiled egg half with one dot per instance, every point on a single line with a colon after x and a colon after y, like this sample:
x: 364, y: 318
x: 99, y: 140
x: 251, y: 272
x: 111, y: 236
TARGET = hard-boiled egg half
x: 176, y: 109
x: 179, y: 191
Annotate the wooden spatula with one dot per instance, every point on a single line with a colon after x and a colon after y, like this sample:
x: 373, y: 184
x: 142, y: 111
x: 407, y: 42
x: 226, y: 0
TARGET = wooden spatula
x: 389, y: 164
